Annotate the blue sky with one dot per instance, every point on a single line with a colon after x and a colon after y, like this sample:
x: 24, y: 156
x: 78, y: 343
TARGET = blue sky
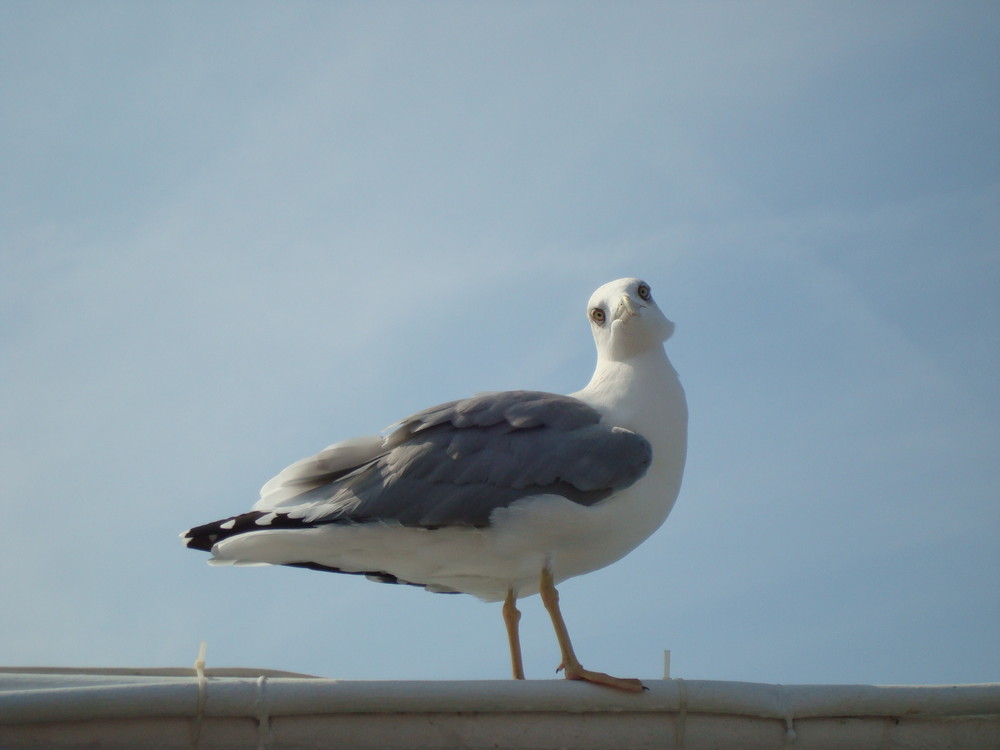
x: 233, y: 233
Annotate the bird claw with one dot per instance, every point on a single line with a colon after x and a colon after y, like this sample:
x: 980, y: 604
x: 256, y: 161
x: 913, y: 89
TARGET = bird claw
x: 600, y: 678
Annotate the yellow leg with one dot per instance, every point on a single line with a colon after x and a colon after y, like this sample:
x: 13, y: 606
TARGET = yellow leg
x: 511, y: 618
x: 570, y: 664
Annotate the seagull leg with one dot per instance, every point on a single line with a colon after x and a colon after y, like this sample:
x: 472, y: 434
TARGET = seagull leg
x: 570, y: 665
x: 511, y: 618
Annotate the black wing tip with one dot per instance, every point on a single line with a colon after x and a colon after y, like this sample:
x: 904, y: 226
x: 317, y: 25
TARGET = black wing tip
x: 206, y: 536
x: 203, y: 543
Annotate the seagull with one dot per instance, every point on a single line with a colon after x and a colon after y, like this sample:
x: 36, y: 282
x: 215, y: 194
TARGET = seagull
x: 502, y: 495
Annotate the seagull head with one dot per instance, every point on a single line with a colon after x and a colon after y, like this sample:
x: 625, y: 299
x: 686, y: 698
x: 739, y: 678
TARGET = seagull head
x: 625, y: 320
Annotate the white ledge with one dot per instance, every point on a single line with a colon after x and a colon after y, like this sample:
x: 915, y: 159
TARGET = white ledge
x: 671, y: 713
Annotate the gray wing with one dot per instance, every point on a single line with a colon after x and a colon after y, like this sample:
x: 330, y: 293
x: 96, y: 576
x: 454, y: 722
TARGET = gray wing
x: 320, y: 470
x: 454, y: 464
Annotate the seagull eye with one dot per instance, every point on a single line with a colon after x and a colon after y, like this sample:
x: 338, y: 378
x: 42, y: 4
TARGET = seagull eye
x: 644, y: 292
x: 598, y: 316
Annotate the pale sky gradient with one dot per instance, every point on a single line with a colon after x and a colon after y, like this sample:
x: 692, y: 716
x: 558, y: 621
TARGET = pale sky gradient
x: 234, y: 232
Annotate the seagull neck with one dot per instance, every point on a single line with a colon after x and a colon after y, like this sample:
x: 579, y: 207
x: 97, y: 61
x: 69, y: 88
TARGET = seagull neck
x: 613, y: 379
x: 644, y: 394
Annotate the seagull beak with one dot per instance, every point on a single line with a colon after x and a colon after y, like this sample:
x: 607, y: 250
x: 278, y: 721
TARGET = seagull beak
x: 625, y: 309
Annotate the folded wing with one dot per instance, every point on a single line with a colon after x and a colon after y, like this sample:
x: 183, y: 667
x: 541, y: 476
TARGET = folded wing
x: 451, y: 465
